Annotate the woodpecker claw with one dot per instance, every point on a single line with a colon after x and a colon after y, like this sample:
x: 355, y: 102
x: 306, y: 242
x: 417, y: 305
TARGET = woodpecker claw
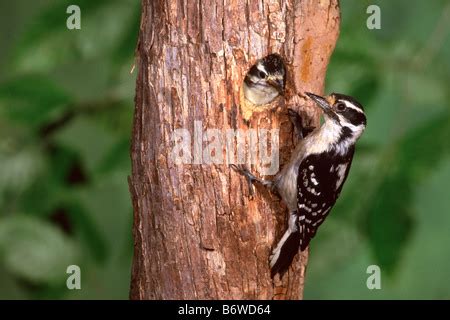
x: 251, y: 178
x: 242, y: 170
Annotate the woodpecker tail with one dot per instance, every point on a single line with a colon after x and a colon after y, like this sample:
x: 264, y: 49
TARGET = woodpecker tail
x: 287, y: 247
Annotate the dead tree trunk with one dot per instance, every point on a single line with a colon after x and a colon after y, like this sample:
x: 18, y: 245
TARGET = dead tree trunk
x: 197, y: 233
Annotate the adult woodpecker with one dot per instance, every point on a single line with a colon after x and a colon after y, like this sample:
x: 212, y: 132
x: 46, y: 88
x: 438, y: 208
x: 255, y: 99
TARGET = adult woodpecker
x: 311, y: 182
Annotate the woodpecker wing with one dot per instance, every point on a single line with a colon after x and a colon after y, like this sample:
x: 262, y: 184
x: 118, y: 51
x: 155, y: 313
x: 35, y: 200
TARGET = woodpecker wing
x: 319, y: 183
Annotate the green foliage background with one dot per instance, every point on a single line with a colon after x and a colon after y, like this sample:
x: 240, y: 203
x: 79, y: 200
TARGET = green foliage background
x: 66, y: 104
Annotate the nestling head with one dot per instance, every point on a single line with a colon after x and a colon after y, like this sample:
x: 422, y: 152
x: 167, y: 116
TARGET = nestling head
x: 265, y: 80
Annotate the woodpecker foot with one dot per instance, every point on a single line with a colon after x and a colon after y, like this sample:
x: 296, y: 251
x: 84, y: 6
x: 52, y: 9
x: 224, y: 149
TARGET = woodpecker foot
x: 251, y: 178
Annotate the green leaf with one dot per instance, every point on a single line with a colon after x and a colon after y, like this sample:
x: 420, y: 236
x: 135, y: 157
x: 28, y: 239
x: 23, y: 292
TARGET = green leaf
x: 10, y: 289
x: 109, y: 206
x: 366, y: 89
x: 89, y: 81
x: 48, y: 43
x: 90, y: 140
x: 389, y: 222
x: 35, y: 250
x: 128, y: 41
x: 118, y: 158
x: 88, y: 233
x: 423, y: 148
x: 19, y: 169
x: 425, y: 251
x: 32, y: 100
x: 116, y: 17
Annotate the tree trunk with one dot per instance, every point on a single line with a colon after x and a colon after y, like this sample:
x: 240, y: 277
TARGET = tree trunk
x: 197, y: 233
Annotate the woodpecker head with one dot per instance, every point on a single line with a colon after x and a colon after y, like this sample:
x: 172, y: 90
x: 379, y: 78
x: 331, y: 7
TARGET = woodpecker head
x: 344, y: 114
x: 265, y: 80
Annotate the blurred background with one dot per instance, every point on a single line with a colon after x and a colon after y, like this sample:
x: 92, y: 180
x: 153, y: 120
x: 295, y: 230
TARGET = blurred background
x: 66, y: 104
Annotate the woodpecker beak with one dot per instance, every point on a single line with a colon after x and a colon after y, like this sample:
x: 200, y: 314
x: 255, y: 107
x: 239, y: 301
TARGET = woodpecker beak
x: 277, y: 84
x: 323, y: 104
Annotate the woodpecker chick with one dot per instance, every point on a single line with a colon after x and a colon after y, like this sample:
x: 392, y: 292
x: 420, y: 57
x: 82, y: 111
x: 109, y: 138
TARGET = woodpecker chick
x: 311, y: 182
x: 264, y: 82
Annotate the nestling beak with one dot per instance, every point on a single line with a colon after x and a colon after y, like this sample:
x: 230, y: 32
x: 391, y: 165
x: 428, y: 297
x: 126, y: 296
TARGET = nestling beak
x: 323, y: 104
x: 277, y: 84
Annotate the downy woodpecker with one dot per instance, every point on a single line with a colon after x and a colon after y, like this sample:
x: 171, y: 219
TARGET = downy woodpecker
x: 263, y: 83
x: 310, y: 183
x: 265, y: 80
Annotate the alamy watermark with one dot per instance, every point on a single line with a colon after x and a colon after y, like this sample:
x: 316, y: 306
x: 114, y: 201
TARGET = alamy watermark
x: 374, y: 280
x: 73, y: 282
x: 374, y: 20
x: 74, y: 20
x: 230, y: 146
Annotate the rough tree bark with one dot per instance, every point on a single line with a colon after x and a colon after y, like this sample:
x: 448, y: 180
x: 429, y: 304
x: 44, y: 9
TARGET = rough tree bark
x: 197, y: 233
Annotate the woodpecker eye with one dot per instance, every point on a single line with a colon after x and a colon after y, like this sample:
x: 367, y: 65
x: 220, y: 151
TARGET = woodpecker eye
x: 340, y: 106
x: 262, y: 74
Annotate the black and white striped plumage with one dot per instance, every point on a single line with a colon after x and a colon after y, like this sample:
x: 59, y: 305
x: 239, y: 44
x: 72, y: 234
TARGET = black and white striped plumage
x: 310, y: 183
